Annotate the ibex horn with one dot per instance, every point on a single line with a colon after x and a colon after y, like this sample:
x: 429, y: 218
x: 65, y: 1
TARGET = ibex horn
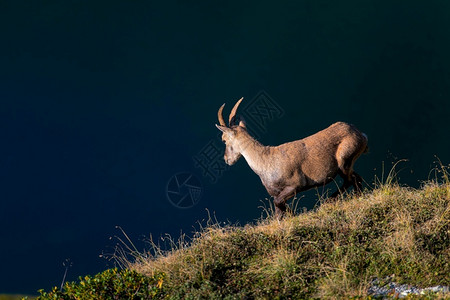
x: 233, y: 112
x: 219, y: 114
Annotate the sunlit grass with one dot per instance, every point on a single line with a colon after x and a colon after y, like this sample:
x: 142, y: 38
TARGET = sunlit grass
x: 335, y: 250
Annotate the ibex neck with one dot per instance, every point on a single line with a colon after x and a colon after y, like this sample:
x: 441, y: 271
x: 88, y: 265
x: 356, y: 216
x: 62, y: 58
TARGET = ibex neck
x: 255, y: 154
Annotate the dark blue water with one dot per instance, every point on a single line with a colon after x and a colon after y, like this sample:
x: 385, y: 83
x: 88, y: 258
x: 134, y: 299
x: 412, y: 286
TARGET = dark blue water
x: 101, y: 104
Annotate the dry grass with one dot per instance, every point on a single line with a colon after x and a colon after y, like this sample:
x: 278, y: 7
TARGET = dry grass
x: 333, y: 251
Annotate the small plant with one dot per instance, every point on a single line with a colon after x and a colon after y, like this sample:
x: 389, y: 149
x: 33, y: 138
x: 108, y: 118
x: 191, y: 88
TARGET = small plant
x: 110, y: 284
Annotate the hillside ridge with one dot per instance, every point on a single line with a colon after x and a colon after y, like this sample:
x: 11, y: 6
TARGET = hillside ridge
x: 335, y: 250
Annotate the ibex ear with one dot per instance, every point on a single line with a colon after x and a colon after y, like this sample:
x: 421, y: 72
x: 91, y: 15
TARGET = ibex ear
x: 242, y: 124
x: 223, y: 128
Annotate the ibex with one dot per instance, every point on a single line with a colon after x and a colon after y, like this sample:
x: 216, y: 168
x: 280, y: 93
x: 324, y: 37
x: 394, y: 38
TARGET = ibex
x: 300, y: 165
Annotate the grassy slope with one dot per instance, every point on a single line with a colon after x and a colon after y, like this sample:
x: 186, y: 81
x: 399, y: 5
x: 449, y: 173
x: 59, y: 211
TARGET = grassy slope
x: 335, y: 250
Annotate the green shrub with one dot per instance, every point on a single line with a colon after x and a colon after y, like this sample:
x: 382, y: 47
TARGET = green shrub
x: 110, y: 284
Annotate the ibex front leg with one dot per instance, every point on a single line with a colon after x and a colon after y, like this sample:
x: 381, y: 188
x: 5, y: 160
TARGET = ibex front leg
x: 280, y: 201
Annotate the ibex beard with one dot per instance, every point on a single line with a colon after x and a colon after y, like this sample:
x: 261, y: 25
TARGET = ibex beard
x: 297, y: 166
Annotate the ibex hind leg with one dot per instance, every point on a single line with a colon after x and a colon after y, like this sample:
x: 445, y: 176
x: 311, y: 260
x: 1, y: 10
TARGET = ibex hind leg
x: 346, y: 155
x: 357, y: 182
x: 347, y: 183
x: 354, y: 179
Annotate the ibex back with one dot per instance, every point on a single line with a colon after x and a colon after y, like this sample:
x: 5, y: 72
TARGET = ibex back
x: 299, y: 165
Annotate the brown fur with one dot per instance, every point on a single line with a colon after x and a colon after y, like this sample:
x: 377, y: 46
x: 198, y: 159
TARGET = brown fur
x: 299, y: 165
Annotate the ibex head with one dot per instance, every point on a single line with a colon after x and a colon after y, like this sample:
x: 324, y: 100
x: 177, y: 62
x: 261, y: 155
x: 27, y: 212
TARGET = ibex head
x: 232, y: 134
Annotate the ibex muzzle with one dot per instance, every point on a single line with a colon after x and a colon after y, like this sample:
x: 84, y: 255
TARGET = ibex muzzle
x: 299, y: 165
